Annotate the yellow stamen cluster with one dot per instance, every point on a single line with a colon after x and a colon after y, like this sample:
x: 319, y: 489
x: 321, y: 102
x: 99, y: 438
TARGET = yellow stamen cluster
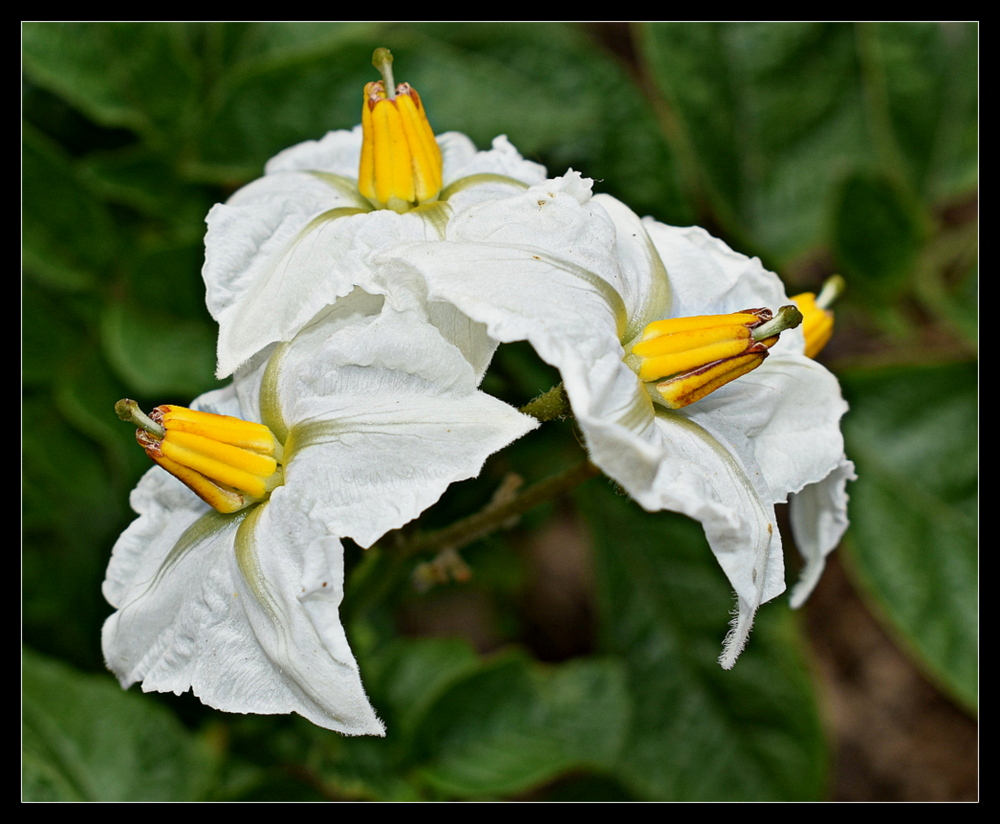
x: 401, y: 162
x: 817, y: 323
x: 685, y: 359
x: 228, y: 462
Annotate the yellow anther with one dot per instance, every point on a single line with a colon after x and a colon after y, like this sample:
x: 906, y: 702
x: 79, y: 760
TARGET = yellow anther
x: 222, y: 428
x: 229, y: 465
x: 688, y: 387
x: 681, y: 344
x: 401, y: 162
x: 817, y: 323
x: 228, y: 462
x: 684, y: 359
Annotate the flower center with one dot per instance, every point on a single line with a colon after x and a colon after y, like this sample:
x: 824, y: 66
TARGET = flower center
x: 400, y: 159
x: 227, y: 462
x: 682, y: 360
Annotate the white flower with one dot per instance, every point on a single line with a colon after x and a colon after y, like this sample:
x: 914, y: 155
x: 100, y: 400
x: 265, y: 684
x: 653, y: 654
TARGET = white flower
x: 581, y: 277
x: 375, y: 414
x: 301, y: 237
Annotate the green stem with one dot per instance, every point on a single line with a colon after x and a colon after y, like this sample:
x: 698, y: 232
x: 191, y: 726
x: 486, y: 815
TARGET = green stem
x: 549, y: 405
x: 385, y: 566
x: 498, y: 514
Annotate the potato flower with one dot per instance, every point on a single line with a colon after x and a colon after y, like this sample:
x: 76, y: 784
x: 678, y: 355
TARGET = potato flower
x: 301, y: 237
x: 230, y: 580
x: 683, y: 370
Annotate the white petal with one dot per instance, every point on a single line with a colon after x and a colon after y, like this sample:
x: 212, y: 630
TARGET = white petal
x: 819, y: 519
x: 462, y: 160
x: 336, y: 152
x: 383, y: 415
x: 673, y: 461
x: 708, y: 277
x: 188, y: 618
x: 786, y: 413
x: 290, y: 570
x: 645, y: 284
x: 664, y: 461
x: 522, y: 293
x: 285, y: 264
x: 555, y: 216
x: 285, y: 246
x: 498, y: 268
x: 168, y: 508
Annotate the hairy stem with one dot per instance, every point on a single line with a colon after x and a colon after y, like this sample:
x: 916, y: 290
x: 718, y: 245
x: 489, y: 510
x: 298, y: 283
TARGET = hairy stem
x: 549, y: 405
x: 500, y: 512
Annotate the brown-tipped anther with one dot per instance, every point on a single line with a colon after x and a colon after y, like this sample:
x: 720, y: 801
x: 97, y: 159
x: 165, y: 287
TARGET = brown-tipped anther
x: 228, y: 462
x: 685, y: 359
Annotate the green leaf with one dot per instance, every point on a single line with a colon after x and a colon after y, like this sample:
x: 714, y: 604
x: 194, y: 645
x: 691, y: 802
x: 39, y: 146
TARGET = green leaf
x: 157, y: 355
x: 68, y: 234
x: 141, y: 76
x: 514, y: 725
x: 403, y: 679
x: 760, y: 109
x: 877, y: 233
x: 407, y: 676
x: 72, y: 507
x: 140, y: 179
x: 962, y: 306
x: 924, y: 76
x: 85, y: 739
x: 156, y: 332
x: 460, y: 726
x: 560, y: 99
x: 308, y: 79
x: 51, y: 332
x: 771, y: 116
x: 699, y: 733
x: 361, y: 768
x: 912, y: 435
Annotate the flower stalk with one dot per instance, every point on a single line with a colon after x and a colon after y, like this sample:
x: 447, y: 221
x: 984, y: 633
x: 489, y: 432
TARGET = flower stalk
x: 500, y: 513
x: 550, y: 405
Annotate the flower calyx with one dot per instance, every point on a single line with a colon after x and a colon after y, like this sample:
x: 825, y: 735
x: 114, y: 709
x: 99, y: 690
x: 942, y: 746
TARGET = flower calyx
x: 682, y: 360
x: 228, y: 462
x: 401, y: 164
x: 817, y: 316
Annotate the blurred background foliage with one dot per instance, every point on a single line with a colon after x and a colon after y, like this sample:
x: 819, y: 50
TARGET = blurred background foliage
x: 579, y: 661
